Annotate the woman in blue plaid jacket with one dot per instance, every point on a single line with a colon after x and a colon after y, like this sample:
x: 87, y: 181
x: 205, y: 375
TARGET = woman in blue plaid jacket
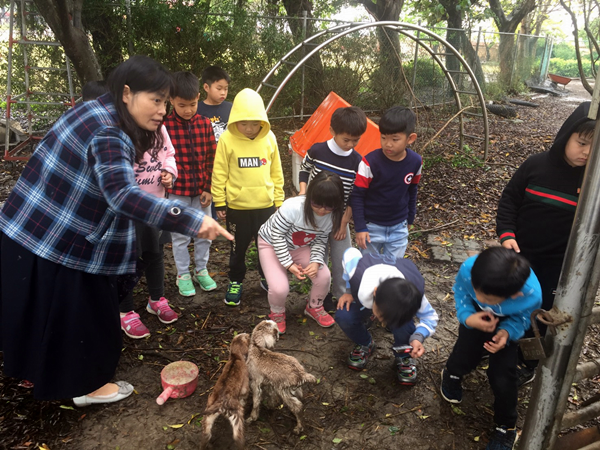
x: 66, y: 232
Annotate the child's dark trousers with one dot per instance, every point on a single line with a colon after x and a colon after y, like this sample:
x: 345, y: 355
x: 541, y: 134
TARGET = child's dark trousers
x: 502, y: 371
x: 244, y: 225
x: 353, y: 324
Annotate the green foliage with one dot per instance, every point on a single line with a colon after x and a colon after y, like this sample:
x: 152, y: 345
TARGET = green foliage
x: 300, y: 286
x: 428, y: 74
x: 568, y: 67
x: 252, y: 257
x: 431, y: 161
x: 494, y: 90
x: 563, y: 50
x: 466, y: 159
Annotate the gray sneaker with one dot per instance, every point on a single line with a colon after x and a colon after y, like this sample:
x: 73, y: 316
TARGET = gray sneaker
x: 359, y: 357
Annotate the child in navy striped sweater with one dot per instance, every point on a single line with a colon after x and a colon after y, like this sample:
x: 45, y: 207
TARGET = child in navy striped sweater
x: 294, y: 240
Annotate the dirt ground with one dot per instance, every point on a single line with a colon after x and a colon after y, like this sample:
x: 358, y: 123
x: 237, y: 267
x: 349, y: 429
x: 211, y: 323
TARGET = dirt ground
x: 345, y: 409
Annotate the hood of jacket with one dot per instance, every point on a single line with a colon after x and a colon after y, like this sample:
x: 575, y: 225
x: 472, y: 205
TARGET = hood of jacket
x: 248, y: 105
x: 557, y: 151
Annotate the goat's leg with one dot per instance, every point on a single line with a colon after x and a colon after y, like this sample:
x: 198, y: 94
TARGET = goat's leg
x: 207, y: 424
x: 295, y: 405
x: 236, y: 420
x: 256, y: 398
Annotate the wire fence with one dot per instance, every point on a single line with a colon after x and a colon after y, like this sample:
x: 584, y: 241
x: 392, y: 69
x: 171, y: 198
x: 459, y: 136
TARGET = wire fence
x: 368, y: 68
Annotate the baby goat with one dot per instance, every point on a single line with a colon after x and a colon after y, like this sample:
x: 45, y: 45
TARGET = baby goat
x: 230, y: 393
x: 282, y: 373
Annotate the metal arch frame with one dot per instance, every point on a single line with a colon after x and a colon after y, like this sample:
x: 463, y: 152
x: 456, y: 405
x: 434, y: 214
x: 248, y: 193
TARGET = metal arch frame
x: 399, y: 27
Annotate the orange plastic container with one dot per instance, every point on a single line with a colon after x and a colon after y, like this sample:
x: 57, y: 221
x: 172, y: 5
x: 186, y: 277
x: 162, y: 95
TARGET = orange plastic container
x: 316, y: 128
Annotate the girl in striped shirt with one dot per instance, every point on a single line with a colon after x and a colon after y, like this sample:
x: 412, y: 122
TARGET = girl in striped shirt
x: 294, y: 240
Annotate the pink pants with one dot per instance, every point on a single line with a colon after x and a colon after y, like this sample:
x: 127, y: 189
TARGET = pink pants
x: 277, y: 276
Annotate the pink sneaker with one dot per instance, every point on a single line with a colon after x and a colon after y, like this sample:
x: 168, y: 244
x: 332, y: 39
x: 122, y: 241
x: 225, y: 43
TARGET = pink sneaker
x: 133, y: 326
x: 162, y: 310
x: 279, y: 319
x: 320, y: 315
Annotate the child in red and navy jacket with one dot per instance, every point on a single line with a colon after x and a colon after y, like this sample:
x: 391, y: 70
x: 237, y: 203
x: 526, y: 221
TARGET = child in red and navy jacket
x: 384, y: 199
x: 194, y: 141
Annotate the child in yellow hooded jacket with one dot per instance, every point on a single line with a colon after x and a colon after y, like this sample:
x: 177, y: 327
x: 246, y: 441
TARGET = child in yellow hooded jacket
x: 247, y: 182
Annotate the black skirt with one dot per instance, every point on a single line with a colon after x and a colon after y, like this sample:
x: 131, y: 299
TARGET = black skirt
x: 59, y: 327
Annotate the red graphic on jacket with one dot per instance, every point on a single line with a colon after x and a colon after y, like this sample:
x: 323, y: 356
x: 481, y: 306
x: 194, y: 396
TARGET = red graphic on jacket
x: 301, y: 238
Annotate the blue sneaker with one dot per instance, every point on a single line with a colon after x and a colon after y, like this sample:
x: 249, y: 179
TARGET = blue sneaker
x: 451, y: 387
x: 502, y: 438
x: 234, y: 294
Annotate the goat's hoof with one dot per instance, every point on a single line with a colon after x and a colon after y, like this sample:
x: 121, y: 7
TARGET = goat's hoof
x: 298, y: 429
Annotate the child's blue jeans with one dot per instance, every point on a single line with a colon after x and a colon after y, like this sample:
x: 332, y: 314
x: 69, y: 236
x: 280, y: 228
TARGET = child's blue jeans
x: 390, y: 241
x: 353, y: 324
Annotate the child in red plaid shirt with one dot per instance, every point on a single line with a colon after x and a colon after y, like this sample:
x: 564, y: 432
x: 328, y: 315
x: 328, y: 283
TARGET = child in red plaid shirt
x: 194, y: 141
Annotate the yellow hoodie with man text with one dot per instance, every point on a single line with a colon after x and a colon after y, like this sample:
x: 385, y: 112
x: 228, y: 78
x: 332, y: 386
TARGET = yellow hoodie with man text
x: 247, y: 172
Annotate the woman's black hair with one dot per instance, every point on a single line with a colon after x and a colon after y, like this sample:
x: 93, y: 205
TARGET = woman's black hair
x: 325, y: 189
x: 500, y: 271
x: 141, y: 74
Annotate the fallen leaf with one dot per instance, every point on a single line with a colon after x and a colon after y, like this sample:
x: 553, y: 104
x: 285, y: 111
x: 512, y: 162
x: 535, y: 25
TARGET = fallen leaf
x: 179, y: 425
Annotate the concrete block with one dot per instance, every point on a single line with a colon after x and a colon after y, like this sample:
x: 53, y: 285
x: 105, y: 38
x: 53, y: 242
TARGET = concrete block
x: 433, y: 240
x: 440, y: 254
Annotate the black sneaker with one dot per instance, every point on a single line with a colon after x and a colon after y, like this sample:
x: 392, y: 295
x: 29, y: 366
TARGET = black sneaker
x: 502, y: 439
x: 264, y: 285
x: 329, y: 305
x: 451, y: 387
x: 526, y: 374
x: 234, y: 294
x: 359, y: 357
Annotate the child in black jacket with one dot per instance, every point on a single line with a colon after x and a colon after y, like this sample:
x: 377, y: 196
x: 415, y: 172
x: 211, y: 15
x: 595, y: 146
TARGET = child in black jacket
x: 537, y: 207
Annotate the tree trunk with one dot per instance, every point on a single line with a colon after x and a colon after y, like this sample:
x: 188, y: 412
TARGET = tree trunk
x: 584, y: 81
x: 474, y: 62
x: 106, y: 28
x: 314, y: 67
x: 508, y: 25
x: 389, y: 79
x: 454, y: 35
x: 64, y: 18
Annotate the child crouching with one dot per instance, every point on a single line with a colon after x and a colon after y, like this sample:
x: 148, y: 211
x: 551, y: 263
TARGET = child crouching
x: 294, y: 240
x: 495, y: 294
x: 394, y: 291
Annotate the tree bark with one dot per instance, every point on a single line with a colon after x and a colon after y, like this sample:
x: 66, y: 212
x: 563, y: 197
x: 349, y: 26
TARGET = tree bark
x: 314, y: 66
x: 584, y: 81
x: 106, y: 29
x: 507, y: 24
x: 64, y: 18
x: 391, y: 80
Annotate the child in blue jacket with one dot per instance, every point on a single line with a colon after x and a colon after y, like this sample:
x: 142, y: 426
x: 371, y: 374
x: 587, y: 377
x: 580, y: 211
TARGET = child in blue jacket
x: 495, y: 293
x: 393, y: 290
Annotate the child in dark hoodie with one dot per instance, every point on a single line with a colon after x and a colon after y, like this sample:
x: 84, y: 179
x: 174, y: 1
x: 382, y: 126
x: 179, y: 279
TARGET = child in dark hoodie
x: 537, y: 207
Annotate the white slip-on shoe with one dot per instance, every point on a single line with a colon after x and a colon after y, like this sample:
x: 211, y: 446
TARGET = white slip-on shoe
x: 125, y: 390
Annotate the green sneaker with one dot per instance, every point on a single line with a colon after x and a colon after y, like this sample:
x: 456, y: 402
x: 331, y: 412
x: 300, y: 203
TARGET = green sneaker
x: 185, y: 285
x: 204, y: 280
x: 234, y: 294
